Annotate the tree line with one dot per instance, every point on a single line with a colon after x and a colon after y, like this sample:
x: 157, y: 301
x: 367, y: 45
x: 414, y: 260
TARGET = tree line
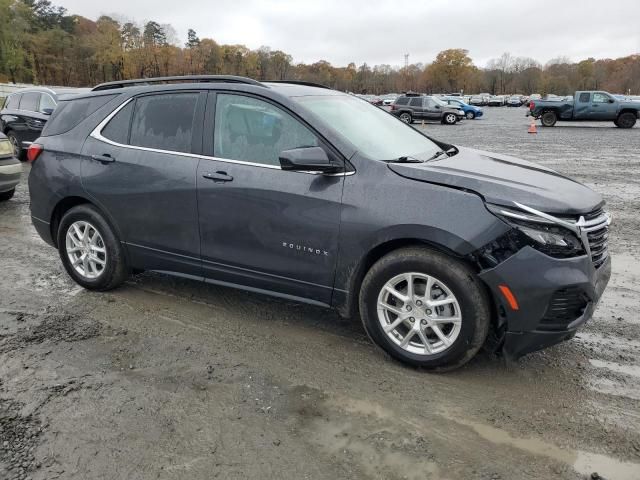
x: 41, y: 43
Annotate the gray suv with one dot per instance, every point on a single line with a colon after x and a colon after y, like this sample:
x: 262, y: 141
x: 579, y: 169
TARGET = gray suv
x: 410, y: 108
x: 313, y: 195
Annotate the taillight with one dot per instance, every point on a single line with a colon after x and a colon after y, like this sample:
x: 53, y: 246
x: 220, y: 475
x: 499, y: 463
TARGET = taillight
x: 531, y: 105
x: 34, y: 151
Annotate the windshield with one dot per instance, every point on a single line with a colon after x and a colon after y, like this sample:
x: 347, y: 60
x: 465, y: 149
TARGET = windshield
x: 374, y: 132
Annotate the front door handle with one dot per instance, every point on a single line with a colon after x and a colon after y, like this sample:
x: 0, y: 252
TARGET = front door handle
x: 218, y: 177
x: 106, y: 158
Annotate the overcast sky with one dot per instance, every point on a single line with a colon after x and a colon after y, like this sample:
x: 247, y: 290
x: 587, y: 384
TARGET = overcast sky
x: 382, y: 31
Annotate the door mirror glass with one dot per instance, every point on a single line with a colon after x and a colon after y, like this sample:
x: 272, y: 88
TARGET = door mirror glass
x: 47, y: 111
x: 306, y: 159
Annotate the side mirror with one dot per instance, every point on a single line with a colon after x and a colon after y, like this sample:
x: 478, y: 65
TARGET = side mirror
x: 307, y: 159
x: 611, y: 100
x: 47, y: 111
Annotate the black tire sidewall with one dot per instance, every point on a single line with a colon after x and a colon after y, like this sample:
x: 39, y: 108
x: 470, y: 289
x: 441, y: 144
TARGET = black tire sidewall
x: 115, y: 270
x: 8, y: 195
x: 410, y: 117
x: 472, y: 299
x: 549, y: 115
x: 621, y: 120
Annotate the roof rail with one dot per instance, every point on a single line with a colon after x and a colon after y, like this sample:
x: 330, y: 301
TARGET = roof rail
x: 298, y: 82
x: 183, y: 78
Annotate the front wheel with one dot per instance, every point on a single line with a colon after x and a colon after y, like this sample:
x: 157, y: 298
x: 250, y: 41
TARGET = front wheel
x: 425, y: 308
x: 470, y: 115
x: 626, y: 120
x: 549, y: 119
x: 90, y: 250
x: 450, y: 118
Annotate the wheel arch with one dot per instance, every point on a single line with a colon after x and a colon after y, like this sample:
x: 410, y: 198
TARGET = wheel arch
x: 347, y: 304
x: 66, y: 204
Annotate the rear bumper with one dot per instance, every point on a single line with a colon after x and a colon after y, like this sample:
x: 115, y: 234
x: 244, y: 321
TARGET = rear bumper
x: 543, y: 287
x: 10, y: 171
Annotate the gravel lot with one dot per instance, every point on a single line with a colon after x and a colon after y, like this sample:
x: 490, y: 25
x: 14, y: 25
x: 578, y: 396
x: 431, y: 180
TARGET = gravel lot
x: 169, y: 379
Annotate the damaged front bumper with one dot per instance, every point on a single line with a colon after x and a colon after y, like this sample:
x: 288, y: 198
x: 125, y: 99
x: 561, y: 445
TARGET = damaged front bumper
x: 554, y: 298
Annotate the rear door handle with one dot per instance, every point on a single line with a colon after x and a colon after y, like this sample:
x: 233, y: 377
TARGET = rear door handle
x: 218, y: 177
x: 106, y: 158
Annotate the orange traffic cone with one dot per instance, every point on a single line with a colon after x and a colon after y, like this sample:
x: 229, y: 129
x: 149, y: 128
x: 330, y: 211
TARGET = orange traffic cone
x: 532, y: 127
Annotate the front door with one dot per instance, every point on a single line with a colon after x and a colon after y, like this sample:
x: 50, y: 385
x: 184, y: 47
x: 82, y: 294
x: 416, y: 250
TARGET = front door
x: 432, y: 110
x: 262, y: 227
x: 141, y: 170
x: 603, y: 106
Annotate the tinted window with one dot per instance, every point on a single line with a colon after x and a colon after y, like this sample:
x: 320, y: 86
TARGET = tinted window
x: 70, y: 113
x: 584, y: 97
x: 416, y: 102
x: 30, y: 101
x: 13, y: 101
x: 46, y: 102
x: 164, y: 121
x: 117, y: 129
x: 402, y: 101
x: 252, y: 130
x: 600, y: 98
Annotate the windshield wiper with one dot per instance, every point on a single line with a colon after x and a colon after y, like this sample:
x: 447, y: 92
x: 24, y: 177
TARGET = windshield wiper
x: 436, y: 155
x: 405, y: 159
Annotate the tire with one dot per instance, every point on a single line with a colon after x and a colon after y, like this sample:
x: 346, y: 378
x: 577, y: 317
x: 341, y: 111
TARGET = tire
x: 113, y: 271
x: 470, y: 115
x: 626, y: 120
x: 8, y: 195
x: 17, y: 148
x: 406, y: 117
x: 449, y: 119
x: 549, y: 119
x: 449, y: 275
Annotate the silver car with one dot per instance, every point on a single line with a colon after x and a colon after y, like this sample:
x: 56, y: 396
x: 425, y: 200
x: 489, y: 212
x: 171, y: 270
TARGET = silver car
x: 10, y: 169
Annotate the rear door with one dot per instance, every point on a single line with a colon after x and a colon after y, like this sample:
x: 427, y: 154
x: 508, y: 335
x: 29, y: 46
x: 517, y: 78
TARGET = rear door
x: 262, y: 227
x: 140, y: 166
x: 417, y: 107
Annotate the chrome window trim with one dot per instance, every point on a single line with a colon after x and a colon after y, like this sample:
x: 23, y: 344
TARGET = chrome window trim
x: 97, y: 134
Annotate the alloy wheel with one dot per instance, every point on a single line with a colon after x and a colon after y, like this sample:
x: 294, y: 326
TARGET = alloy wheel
x: 419, y: 313
x: 405, y: 117
x: 86, y: 249
x: 451, y: 118
x: 15, y: 145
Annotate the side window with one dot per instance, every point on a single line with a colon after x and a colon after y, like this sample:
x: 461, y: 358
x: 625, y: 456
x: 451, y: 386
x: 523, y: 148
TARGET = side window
x: 164, y: 121
x: 46, y: 103
x: 584, y: 97
x: 402, y: 101
x: 429, y: 103
x: 255, y: 131
x: 416, y: 102
x: 13, y: 102
x: 600, y: 98
x: 117, y: 130
x: 30, y: 101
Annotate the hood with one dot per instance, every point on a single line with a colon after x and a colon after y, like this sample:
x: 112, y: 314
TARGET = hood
x: 502, y: 180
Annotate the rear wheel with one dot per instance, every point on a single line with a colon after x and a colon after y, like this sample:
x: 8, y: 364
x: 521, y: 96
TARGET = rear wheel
x: 470, y: 115
x: 406, y: 117
x: 425, y: 308
x: 549, y: 119
x: 17, y: 149
x: 449, y: 118
x: 7, y: 195
x: 626, y: 120
x: 90, y: 250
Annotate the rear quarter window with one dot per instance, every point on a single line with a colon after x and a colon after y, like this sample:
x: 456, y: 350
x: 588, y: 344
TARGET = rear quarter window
x: 584, y: 97
x: 69, y: 113
x: 13, y: 101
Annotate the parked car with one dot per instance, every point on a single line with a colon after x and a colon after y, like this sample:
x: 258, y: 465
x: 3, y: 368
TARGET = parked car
x: 410, y: 108
x: 496, y: 101
x: 515, y: 101
x: 470, y: 111
x: 313, y: 195
x: 10, y: 169
x: 478, y: 101
x: 586, y: 106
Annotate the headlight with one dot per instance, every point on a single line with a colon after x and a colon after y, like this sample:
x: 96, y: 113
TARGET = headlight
x: 5, y: 148
x: 543, y: 235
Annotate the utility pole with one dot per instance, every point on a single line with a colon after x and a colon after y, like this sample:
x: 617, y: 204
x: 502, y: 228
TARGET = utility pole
x: 406, y: 72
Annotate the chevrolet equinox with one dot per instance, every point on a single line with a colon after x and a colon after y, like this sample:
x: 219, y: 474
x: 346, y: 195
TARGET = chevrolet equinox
x: 306, y: 193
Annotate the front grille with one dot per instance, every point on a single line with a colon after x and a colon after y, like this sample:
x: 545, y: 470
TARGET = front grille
x: 596, y: 225
x: 566, y: 305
